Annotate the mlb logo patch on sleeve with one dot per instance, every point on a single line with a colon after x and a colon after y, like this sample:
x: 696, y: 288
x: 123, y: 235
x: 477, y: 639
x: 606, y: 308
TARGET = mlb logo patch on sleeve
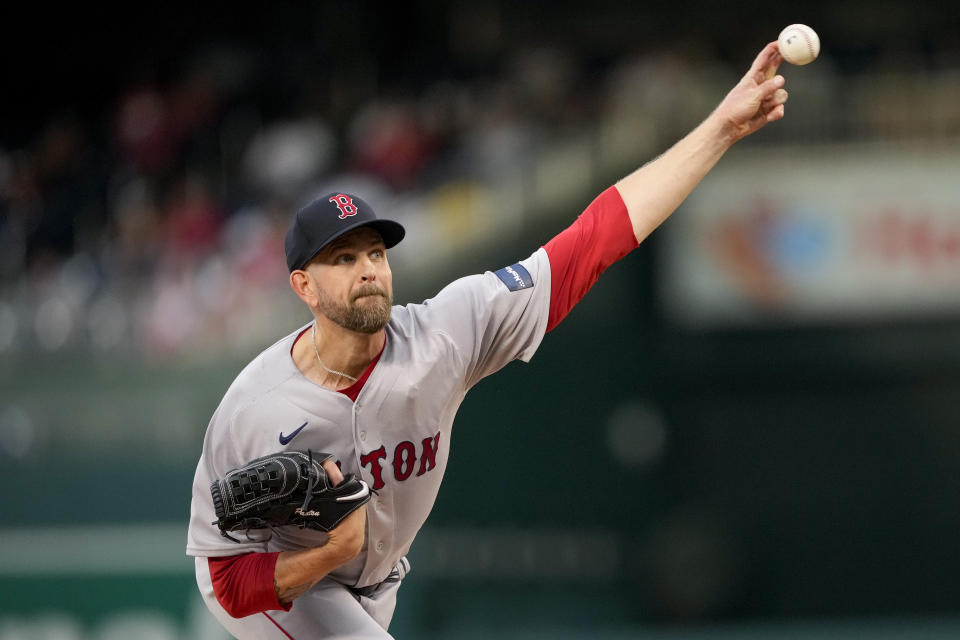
x: 516, y: 277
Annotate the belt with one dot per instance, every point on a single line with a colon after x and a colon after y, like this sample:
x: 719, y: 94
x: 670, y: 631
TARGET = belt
x: 398, y: 573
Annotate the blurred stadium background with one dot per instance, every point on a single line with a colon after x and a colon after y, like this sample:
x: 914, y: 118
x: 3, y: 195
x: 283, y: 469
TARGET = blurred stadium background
x: 748, y: 429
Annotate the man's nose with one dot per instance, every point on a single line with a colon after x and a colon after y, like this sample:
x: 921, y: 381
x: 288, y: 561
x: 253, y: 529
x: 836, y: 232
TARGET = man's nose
x: 367, y: 273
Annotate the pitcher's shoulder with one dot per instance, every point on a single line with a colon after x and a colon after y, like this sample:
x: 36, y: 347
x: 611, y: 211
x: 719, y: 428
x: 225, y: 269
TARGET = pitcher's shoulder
x: 268, y: 369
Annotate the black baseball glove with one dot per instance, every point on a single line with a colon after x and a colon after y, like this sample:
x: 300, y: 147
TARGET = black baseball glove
x: 289, y: 487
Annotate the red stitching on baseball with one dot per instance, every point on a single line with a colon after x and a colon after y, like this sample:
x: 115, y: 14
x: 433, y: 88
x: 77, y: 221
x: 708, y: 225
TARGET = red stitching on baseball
x: 806, y: 38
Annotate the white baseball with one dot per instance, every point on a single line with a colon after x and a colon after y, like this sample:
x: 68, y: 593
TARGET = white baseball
x: 799, y: 44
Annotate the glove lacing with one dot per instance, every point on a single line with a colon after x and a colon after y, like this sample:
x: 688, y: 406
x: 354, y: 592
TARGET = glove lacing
x: 311, y: 482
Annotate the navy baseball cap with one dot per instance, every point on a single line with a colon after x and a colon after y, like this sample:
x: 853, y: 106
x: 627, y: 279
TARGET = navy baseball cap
x: 326, y: 219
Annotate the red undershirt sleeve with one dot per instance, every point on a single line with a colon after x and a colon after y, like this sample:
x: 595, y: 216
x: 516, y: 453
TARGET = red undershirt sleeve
x: 244, y: 585
x: 600, y: 236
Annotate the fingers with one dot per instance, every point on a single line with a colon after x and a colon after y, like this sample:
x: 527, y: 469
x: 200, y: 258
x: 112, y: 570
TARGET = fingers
x: 768, y: 87
x: 779, y: 97
x: 773, y: 64
x: 766, y: 63
x: 333, y: 472
x: 773, y: 105
x: 763, y: 58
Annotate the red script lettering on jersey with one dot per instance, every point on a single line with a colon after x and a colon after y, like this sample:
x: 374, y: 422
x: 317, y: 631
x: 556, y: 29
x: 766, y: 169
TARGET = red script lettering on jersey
x: 345, y: 204
x: 404, y: 459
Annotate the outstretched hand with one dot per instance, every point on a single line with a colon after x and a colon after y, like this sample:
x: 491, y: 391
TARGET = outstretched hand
x: 758, y: 98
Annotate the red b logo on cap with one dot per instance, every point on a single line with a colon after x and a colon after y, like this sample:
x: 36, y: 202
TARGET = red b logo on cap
x: 345, y: 204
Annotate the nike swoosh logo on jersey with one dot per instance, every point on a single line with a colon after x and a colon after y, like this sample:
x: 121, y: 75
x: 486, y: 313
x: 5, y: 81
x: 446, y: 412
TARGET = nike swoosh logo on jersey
x: 286, y: 439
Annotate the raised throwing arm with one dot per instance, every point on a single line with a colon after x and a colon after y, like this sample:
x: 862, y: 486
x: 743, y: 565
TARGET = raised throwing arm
x: 655, y: 190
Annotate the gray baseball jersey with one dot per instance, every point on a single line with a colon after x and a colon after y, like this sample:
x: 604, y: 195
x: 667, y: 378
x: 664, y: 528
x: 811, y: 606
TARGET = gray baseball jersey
x: 396, y: 436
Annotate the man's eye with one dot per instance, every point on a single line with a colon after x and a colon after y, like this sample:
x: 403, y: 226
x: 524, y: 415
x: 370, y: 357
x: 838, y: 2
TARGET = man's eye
x: 377, y: 253
x: 345, y: 258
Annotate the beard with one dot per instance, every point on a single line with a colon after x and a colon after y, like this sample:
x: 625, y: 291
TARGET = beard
x: 368, y: 317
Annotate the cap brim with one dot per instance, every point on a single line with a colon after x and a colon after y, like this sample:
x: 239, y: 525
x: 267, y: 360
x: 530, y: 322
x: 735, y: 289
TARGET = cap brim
x: 391, y: 232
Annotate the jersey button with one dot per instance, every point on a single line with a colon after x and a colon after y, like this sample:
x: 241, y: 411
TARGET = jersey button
x: 363, y: 436
x: 380, y: 546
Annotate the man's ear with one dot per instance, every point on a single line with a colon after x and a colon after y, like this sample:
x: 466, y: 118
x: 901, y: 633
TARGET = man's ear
x: 302, y: 285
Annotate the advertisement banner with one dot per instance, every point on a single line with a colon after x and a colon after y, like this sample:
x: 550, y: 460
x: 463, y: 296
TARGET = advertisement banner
x: 815, y: 235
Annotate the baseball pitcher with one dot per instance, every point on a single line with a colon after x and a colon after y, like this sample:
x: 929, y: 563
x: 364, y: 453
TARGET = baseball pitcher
x: 325, y: 456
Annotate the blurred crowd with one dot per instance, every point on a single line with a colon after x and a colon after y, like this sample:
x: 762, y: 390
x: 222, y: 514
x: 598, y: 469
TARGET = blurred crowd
x: 157, y: 226
x: 162, y: 230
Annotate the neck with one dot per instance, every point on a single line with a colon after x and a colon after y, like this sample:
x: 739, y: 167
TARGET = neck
x: 340, y: 351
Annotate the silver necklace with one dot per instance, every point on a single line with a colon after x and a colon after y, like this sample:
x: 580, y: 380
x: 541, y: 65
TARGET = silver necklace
x: 313, y: 338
